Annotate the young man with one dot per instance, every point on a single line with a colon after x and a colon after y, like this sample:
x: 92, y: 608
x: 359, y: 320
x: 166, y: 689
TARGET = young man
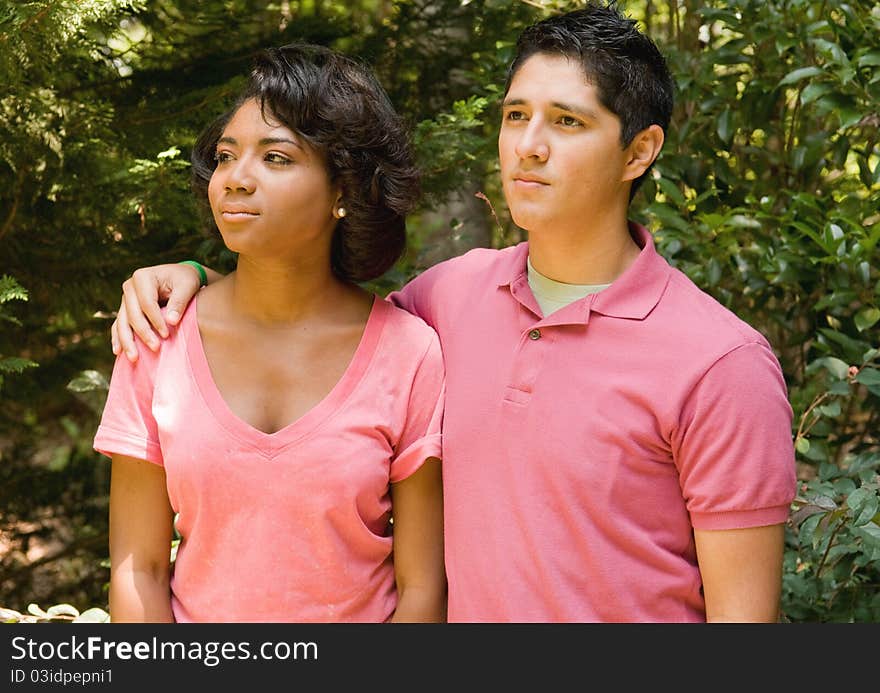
x: 616, y: 445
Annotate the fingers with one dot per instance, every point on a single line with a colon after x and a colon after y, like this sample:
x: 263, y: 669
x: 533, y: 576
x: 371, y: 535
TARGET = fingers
x: 145, y: 294
x: 140, y: 311
x: 177, y: 301
x: 131, y: 319
x: 121, y: 337
x: 179, y: 283
x: 114, y: 339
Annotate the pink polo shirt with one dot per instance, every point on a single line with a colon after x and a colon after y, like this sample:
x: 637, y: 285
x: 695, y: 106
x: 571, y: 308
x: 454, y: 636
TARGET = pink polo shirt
x: 292, y: 525
x: 581, y: 450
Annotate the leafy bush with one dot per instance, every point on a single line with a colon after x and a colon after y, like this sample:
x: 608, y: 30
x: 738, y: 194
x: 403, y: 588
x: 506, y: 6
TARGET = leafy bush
x: 767, y: 194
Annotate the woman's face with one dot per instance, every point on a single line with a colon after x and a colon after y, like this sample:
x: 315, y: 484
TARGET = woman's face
x: 271, y: 194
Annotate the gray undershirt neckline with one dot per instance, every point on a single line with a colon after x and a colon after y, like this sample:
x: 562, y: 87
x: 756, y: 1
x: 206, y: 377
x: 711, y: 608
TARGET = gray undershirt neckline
x: 553, y: 295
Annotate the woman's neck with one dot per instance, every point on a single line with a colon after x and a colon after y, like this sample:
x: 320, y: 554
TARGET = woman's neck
x: 282, y: 294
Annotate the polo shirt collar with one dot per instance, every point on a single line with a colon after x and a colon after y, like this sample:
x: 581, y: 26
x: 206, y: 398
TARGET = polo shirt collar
x: 632, y: 295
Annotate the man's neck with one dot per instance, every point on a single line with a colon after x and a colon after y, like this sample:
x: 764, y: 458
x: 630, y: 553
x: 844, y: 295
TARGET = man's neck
x: 588, y: 256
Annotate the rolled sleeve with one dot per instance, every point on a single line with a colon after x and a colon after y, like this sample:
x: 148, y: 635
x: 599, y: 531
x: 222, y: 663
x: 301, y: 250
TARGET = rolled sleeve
x: 734, y: 449
x: 421, y: 437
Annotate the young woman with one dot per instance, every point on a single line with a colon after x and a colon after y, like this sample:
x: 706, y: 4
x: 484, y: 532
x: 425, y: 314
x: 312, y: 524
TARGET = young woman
x: 289, y: 427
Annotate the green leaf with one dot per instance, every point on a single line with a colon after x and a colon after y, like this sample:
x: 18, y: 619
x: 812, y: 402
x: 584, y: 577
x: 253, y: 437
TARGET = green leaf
x: 870, y: 534
x: 868, y: 376
x: 840, y: 388
x: 818, y: 451
x: 869, y: 59
x: 87, y: 381
x: 671, y: 191
x: 866, y: 317
x: 724, y: 127
x: 830, y: 410
x: 669, y: 217
x: 824, y: 502
x: 849, y: 117
x: 832, y: 50
x: 848, y: 343
x: 814, y: 91
x: 170, y: 153
x: 11, y: 290
x: 741, y: 221
x: 846, y: 74
x: 865, y: 504
x: 833, y: 365
x: 14, y: 364
x: 713, y: 272
x: 799, y: 74
x: 808, y: 527
x: 802, y: 446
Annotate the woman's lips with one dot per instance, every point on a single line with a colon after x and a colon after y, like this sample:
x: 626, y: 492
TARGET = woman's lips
x: 238, y: 215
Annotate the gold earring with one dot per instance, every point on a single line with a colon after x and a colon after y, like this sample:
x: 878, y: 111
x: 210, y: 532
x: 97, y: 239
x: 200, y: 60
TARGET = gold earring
x: 339, y: 212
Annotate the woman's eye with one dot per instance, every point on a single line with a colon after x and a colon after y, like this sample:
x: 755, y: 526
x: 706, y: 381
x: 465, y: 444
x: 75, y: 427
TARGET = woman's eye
x: 516, y: 115
x: 223, y: 157
x: 569, y: 121
x: 276, y: 158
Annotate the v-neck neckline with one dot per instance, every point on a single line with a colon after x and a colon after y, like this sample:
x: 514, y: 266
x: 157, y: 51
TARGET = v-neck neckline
x: 270, y: 444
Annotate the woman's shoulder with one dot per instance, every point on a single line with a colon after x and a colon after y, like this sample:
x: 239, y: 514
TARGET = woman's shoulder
x: 405, y: 326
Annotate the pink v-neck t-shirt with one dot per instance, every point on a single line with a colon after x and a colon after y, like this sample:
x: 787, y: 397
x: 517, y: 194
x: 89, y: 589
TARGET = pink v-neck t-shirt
x: 294, y: 525
x: 581, y: 449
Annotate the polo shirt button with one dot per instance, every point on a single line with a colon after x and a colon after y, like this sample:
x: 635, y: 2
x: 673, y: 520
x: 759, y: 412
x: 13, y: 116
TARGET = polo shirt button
x: 535, y: 334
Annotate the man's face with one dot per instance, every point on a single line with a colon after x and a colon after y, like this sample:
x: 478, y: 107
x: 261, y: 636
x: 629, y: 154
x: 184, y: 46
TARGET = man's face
x: 562, y: 163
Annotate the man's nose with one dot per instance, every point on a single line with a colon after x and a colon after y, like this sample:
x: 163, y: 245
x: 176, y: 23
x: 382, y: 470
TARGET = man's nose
x: 533, y: 143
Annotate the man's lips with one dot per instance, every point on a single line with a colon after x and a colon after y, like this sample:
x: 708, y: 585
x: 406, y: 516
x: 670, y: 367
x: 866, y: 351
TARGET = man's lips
x: 528, y: 180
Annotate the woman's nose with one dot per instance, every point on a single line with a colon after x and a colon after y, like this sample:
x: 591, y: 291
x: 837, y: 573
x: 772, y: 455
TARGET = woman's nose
x: 239, y: 177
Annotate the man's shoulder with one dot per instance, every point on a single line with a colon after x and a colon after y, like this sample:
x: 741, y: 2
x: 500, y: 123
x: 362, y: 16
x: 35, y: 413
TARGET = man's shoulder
x: 476, y: 260
x: 697, y: 311
x: 442, y: 288
x: 407, y: 329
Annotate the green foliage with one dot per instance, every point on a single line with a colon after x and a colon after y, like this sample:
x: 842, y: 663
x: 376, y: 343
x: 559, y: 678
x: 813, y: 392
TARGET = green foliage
x: 767, y: 194
x: 833, y: 555
x: 448, y: 146
x: 11, y: 290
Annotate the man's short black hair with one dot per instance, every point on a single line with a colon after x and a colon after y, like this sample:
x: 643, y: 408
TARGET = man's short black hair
x: 625, y: 66
x: 338, y: 106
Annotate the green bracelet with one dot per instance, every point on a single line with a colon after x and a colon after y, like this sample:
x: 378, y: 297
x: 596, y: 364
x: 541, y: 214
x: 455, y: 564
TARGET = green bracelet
x: 203, y: 276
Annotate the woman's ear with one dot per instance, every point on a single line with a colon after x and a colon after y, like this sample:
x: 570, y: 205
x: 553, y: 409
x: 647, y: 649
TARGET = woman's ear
x: 339, y: 210
x: 643, y: 151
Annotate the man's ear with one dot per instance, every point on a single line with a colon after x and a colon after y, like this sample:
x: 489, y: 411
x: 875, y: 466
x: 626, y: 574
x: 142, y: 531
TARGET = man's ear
x: 642, y: 151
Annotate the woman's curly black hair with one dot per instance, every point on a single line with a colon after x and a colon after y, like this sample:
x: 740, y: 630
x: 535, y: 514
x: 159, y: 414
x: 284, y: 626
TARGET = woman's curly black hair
x: 338, y: 106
